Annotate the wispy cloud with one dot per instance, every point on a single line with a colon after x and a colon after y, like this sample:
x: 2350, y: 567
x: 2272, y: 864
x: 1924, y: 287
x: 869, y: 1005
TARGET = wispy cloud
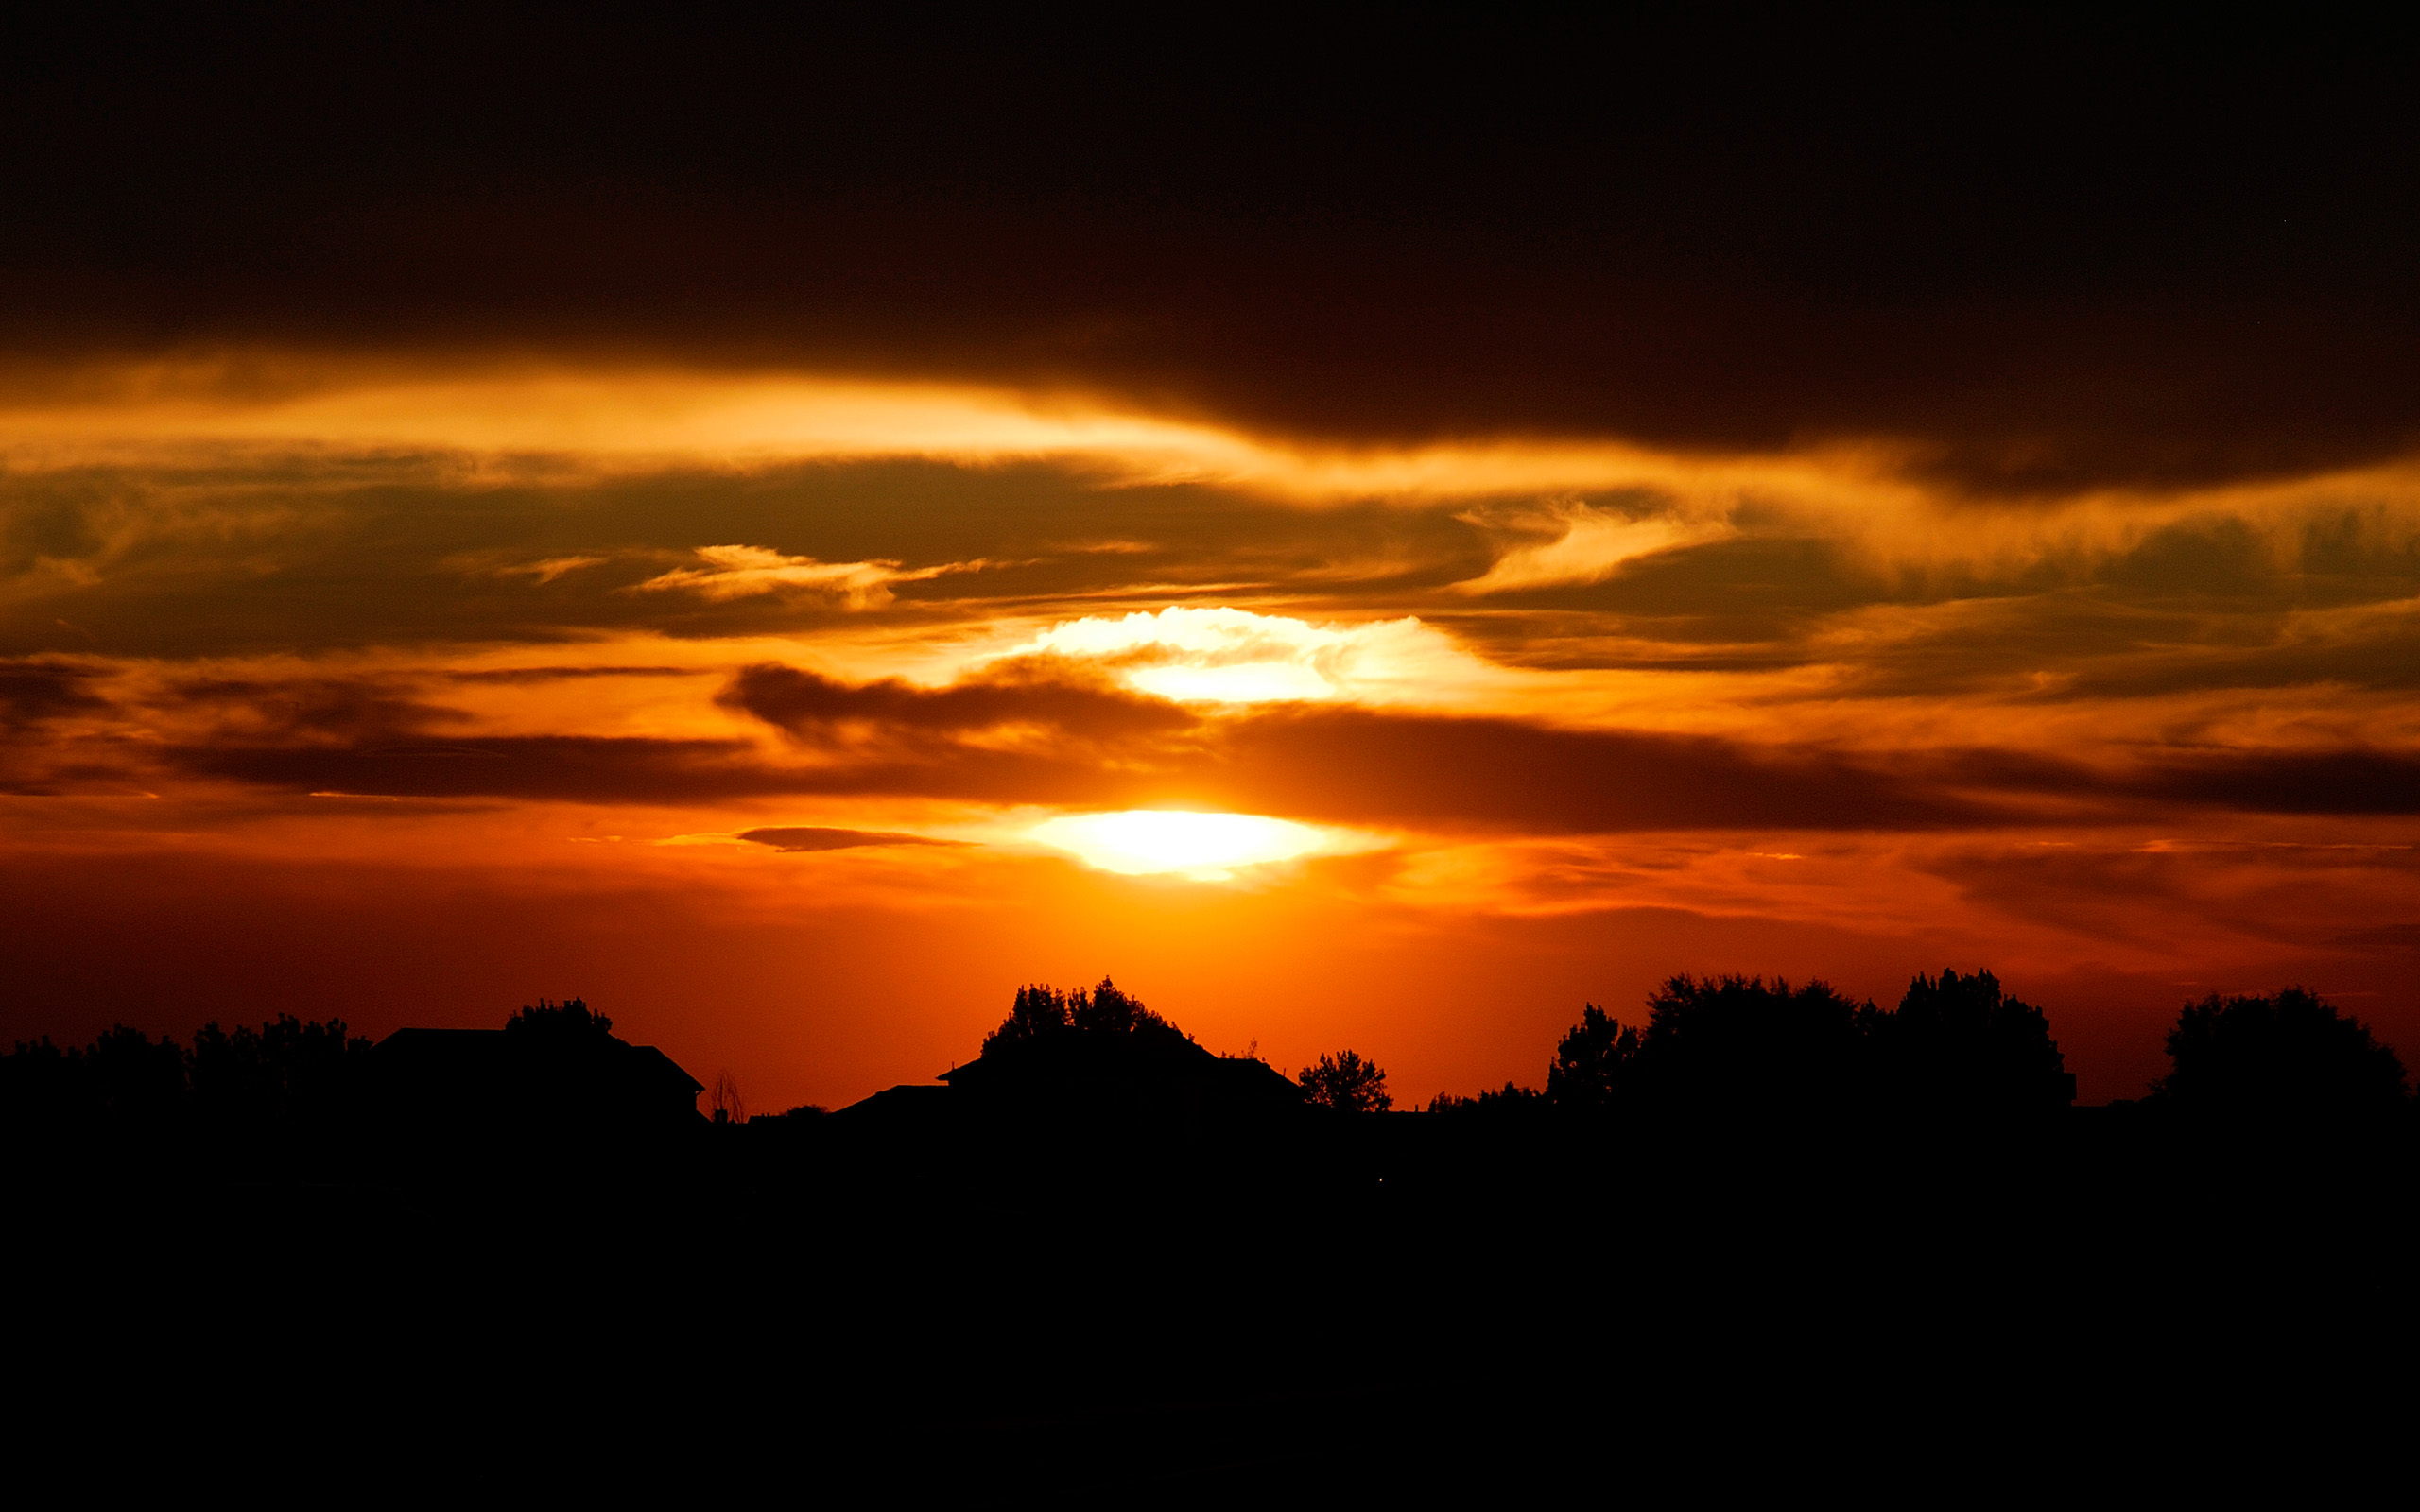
x: 554, y: 567
x: 1587, y: 544
x: 738, y: 571
x: 263, y: 415
x: 1235, y: 656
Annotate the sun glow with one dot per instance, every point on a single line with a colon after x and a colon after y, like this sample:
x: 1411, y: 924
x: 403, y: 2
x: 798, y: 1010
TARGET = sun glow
x: 1206, y: 846
x: 1226, y: 655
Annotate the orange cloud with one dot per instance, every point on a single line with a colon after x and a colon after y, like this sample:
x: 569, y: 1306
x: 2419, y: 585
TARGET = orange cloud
x: 737, y: 572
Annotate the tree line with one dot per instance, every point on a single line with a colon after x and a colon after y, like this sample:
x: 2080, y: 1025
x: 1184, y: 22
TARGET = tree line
x: 269, y: 1084
x: 1042, y: 1012
x: 286, y: 1069
x: 1955, y: 1046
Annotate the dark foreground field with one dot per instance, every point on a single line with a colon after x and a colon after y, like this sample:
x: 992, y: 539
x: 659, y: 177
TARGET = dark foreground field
x: 1352, y: 1308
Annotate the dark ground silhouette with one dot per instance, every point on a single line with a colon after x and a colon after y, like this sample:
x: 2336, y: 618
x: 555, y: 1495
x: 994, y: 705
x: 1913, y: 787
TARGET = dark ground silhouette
x: 1733, y: 1242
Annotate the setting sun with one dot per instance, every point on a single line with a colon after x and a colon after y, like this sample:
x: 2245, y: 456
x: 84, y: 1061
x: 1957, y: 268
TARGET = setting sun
x: 1203, y: 845
x: 815, y: 531
x: 1087, y: 730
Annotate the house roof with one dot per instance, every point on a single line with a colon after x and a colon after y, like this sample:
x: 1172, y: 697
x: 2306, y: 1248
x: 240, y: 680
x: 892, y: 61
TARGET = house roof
x: 663, y: 1068
x: 460, y: 1056
x: 1074, y: 1063
x: 907, y: 1100
x: 1077, y: 1054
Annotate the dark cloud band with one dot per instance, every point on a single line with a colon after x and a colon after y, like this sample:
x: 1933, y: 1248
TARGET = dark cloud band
x: 813, y: 838
x: 2038, y: 258
x: 1089, y: 747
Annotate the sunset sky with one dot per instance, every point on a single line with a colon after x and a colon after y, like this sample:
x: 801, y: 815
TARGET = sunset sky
x: 749, y: 529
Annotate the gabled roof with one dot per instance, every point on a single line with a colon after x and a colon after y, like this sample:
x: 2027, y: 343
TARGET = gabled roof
x: 463, y: 1057
x: 907, y: 1100
x: 663, y: 1068
x: 451, y: 1044
x: 1246, y: 1078
x: 1083, y: 1056
x: 1076, y: 1066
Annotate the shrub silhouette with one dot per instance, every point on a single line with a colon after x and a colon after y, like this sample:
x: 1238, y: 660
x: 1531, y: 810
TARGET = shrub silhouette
x: 2288, y: 1056
x: 1347, y: 1084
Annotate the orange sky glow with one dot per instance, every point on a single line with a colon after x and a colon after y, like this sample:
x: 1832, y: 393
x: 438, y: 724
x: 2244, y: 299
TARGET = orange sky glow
x: 1377, y: 537
x: 795, y: 719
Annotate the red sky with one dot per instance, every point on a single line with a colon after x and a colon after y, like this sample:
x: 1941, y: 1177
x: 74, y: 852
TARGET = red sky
x: 733, y: 564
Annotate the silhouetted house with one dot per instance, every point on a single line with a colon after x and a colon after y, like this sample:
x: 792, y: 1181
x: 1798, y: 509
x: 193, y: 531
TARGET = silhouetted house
x: 1137, y: 1074
x: 906, y: 1107
x: 462, y: 1088
x: 1155, y: 1087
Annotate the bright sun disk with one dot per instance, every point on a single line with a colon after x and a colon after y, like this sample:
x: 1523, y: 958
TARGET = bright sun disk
x: 1205, y: 846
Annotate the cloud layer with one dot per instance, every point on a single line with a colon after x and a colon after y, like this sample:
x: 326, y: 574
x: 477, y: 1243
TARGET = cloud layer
x: 1833, y: 495
x: 2031, y: 261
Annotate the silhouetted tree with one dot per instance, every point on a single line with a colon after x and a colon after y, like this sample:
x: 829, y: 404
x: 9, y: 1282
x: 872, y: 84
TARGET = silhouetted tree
x: 1957, y: 1045
x: 40, y: 1084
x: 123, y: 1096
x: 563, y: 1064
x: 1346, y: 1083
x: 132, y: 1077
x: 1595, y: 1065
x: 276, y: 1071
x: 124, y: 1078
x: 555, y: 1022
x: 239, y: 1080
x: 1743, y: 1045
x: 1107, y: 1011
x: 723, y: 1098
x: 2288, y: 1056
x: 1508, y: 1101
x: 1040, y: 1010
